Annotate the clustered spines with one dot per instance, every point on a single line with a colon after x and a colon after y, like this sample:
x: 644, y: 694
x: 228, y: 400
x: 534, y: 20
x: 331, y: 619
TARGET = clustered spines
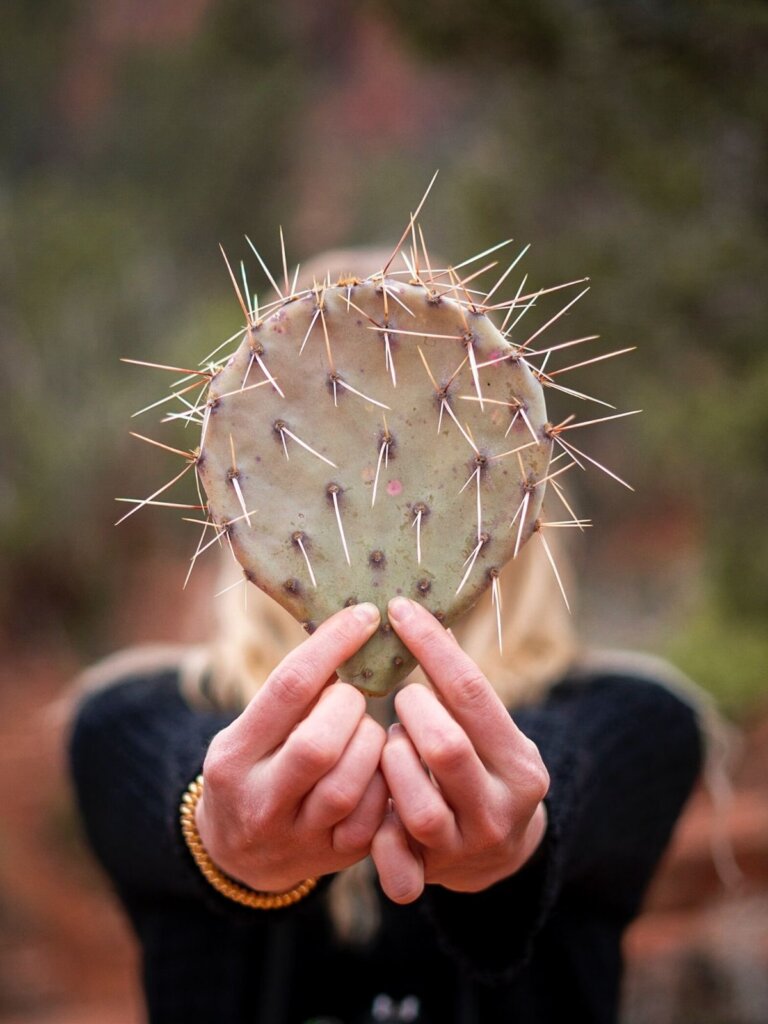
x: 444, y: 363
x: 254, y: 341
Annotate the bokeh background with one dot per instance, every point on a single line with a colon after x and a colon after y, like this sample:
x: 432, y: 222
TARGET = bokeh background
x: 625, y: 140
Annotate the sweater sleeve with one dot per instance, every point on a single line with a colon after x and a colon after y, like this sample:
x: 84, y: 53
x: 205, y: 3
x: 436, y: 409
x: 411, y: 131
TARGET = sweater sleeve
x: 134, y: 748
x: 623, y: 755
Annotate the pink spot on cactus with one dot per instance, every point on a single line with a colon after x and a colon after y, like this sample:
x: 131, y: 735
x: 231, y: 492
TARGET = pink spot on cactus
x: 496, y: 354
x: 394, y: 487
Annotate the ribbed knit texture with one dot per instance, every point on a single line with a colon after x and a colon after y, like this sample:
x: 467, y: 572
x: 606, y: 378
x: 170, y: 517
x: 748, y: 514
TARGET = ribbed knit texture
x: 542, y: 946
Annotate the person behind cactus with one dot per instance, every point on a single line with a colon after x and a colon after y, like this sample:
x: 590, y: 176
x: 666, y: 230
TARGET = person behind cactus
x: 471, y: 866
x: 468, y: 850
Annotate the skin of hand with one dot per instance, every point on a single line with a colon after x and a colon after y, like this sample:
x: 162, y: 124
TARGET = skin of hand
x: 466, y: 784
x: 293, y: 787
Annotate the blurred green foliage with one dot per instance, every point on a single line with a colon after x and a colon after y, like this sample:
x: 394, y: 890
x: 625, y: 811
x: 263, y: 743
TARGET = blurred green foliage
x: 626, y: 140
x: 726, y: 654
x: 110, y: 227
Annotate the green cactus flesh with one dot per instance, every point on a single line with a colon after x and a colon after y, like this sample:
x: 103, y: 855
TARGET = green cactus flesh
x: 383, y: 438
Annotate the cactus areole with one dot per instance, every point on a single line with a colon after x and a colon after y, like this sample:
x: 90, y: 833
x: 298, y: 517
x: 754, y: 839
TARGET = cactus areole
x: 393, y: 434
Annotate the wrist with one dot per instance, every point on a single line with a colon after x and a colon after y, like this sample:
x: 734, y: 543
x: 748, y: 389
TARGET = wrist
x: 222, y: 882
x: 234, y: 865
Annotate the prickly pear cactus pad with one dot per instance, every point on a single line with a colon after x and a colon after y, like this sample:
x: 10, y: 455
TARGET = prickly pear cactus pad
x: 375, y: 469
x: 377, y: 436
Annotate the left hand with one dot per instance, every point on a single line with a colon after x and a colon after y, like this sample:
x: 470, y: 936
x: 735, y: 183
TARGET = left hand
x: 466, y: 785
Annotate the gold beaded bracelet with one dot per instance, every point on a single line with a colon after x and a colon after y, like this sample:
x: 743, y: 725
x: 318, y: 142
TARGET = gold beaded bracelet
x: 215, y: 876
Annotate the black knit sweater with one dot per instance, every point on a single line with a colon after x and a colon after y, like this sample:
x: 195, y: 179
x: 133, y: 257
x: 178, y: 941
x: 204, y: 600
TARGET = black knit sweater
x: 542, y: 947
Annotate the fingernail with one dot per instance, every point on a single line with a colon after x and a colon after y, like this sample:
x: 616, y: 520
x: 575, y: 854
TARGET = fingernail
x: 400, y: 609
x: 367, y: 613
x: 395, y: 729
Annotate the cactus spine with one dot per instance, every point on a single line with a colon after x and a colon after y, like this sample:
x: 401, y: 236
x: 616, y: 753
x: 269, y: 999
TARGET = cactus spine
x: 378, y: 436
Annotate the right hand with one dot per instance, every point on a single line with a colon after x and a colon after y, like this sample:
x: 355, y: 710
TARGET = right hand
x: 293, y: 786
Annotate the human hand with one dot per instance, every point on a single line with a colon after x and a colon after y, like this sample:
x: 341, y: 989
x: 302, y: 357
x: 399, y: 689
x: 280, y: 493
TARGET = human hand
x: 293, y: 786
x: 466, y: 784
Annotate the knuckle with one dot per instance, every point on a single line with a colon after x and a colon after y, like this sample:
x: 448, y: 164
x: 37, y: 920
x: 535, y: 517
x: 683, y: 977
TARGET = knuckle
x: 218, y: 770
x: 529, y: 750
x: 352, y: 837
x: 492, y: 825
x: 446, y: 751
x: 527, y: 798
x: 338, y: 799
x: 427, y: 636
x: 495, y: 831
x: 292, y: 684
x: 471, y: 688
x: 427, y: 822
x: 430, y: 641
x: 534, y: 779
x: 541, y: 783
x: 344, y: 631
x: 311, y: 755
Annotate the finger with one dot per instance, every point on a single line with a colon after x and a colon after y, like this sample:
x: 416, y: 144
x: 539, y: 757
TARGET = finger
x: 291, y: 688
x: 420, y: 805
x: 446, y: 749
x: 315, y: 746
x: 354, y: 835
x: 340, y: 790
x: 459, y: 682
x: 401, y: 871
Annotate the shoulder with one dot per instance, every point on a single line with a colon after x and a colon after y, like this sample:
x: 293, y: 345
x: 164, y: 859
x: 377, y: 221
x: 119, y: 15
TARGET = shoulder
x: 122, y: 691
x: 615, y: 702
x: 618, y: 663
x: 629, y: 700
x: 131, y: 664
x: 638, y: 677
